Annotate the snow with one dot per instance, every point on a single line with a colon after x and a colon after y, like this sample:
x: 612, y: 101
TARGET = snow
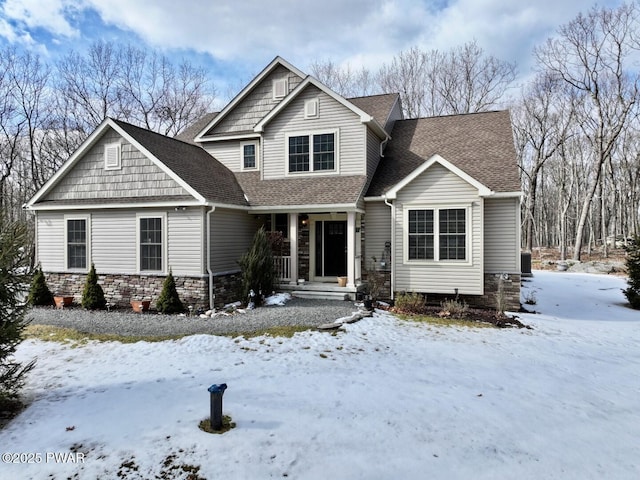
x: 386, y: 398
x: 277, y: 299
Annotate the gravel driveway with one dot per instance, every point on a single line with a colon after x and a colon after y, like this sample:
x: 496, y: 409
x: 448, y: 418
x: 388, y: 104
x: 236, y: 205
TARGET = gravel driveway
x: 297, y: 312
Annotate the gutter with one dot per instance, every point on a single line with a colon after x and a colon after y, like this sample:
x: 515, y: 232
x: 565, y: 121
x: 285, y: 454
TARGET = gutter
x: 212, y: 296
x: 393, y: 242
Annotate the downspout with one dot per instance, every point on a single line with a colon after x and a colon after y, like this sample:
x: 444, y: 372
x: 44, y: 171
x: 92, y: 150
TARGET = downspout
x: 383, y: 145
x: 212, y: 296
x: 393, y: 242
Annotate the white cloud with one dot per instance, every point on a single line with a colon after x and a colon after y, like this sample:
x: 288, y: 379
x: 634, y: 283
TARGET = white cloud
x: 358, y: 32
x: 51, y: 15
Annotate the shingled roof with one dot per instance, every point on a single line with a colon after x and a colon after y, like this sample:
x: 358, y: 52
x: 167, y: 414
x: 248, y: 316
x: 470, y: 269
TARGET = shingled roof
x: 480, y: 144
x: 378, y: 106
x: 191, y: 163
x: 310, y: 191
x: 189, y: 133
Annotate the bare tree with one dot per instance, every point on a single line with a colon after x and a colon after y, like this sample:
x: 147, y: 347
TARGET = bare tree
x: 471, y: 81
x: 592, y: 55
x: 344, y: 80
x: 462, y: 80
x: 542, y: 123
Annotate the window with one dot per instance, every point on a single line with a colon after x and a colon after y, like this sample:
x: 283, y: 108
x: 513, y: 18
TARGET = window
x: 321, y: 148
x: 421, y: 239
x: 112, y: 157
x: 280, y: 88
x: 311, y: 108
x: 444, y: 239
x: 452, y: 227
x: 299, y: 154
x: 249, y: 156
x: 77, y: 243
x: 151, y: 244
x: 278, y: 222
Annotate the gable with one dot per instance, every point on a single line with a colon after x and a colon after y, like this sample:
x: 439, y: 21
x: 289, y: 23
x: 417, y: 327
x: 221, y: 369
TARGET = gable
x: 138, y: 176
x: 255, y: 104
x: 437, y: 184
x: 332, y: 117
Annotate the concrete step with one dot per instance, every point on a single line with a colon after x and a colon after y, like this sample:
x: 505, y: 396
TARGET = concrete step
x: 323, y: 295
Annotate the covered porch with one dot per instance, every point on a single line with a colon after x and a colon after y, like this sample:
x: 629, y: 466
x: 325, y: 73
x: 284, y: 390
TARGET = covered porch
x: 321, y: 254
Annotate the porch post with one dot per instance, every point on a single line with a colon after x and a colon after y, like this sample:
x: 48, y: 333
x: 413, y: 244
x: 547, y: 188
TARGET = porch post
x: 351, y: 249
x: 293, y: 244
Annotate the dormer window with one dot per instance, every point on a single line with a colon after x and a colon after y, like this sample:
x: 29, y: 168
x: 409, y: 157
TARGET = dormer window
x: 112, y: 157
x: 280, y: 88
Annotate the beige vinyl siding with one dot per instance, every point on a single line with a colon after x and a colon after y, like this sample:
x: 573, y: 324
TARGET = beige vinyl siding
x: 50, y: 240
x: 185, y: 249
x: 501, y: 242
x: 257, y: 103
x: 226, y: 152
x: 377, y: 230
x: 138, y: 177
x: 438, y: 187
x: 231, y: 236
x: 332, y: 116
x: 373, y: 152
x: 395, y: 114
x: 114, y: 243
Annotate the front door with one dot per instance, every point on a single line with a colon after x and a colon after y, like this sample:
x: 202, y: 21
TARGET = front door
x: 331, y: 248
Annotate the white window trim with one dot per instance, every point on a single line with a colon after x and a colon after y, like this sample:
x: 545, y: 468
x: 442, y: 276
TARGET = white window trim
x: 280, y: 88
x: 311, y: 108
x: 165, y: 247
x: 118, y: 165
x: 310, y: 134
x: 436, y: 234
x: 87, y: 219
x: 256, y: 143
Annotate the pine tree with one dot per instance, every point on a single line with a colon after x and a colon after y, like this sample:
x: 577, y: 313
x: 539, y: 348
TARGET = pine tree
x: 13, y: 265
x: 633, y: 271
x: 258, y: 270
x: 169, y: 300
x: 39, y: 293
x: 93, y: 295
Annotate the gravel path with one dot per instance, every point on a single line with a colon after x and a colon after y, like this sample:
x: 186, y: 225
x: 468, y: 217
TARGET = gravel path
x: 297, y: 312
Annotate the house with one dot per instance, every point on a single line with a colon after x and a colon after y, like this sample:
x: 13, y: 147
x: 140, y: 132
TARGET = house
x: 431, y: 203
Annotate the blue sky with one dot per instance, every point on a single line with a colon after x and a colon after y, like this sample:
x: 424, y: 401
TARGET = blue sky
x: 236, y: 39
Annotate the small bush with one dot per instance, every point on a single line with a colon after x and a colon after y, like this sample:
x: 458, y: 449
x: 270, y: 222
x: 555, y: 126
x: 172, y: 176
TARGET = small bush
x: 258, y: 270
x: 454, y: 309
x: 410, y: 303
x: 39, y: 293
x: 93, y: 295
x: 169, y: 300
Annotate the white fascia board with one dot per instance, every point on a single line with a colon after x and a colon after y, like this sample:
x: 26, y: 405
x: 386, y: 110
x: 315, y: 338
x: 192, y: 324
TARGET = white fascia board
x: 161, y: 165
x: 483, y: 191
x: 240, y: 136
x: 507, y: 195
x: 102, y: 205
x: 71, y: 161
x: 245, y: 91
x: 337, y: 207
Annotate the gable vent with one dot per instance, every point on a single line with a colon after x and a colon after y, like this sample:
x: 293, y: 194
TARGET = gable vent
x: 112, y: 157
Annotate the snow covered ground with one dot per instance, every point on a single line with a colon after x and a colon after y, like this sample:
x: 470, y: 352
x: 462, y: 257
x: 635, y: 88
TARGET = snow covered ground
x: 385, y: 399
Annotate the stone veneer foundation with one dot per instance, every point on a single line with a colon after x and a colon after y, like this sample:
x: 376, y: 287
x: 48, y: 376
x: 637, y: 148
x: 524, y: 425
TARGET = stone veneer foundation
x: 119, y: 290
x: 510, y: 289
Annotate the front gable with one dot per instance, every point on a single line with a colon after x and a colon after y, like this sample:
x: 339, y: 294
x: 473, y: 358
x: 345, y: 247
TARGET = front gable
x: 92, y: 177
x: 254, y: 102
x: 112, y: 167
x: 438, y: 165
